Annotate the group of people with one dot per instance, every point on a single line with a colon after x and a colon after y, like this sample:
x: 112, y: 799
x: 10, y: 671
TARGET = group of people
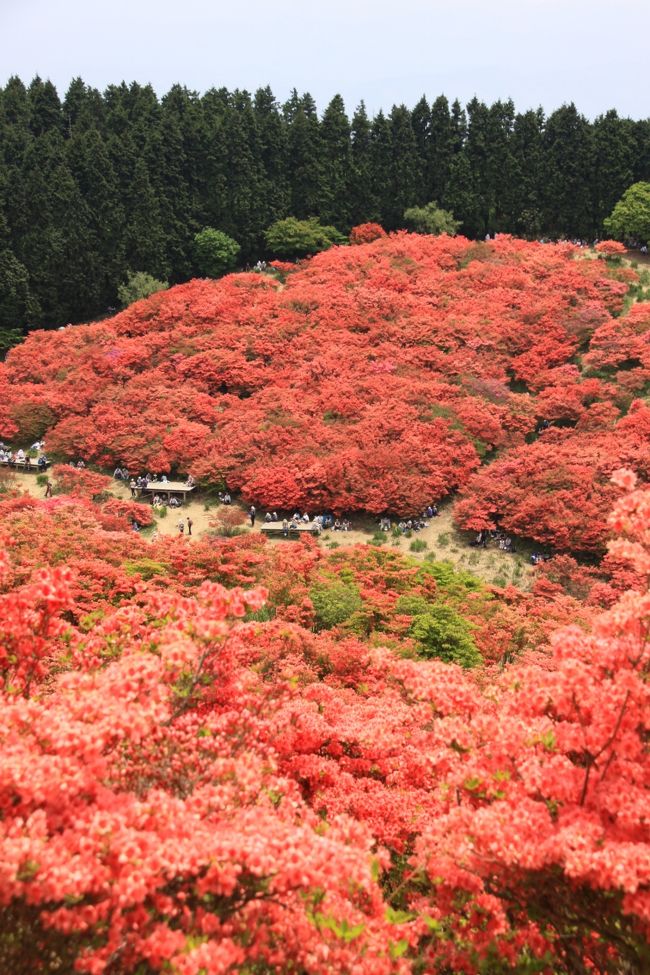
x: 537, y: 557
x: 503, y: 541
x: 21, y: 458
x: 138, y: 484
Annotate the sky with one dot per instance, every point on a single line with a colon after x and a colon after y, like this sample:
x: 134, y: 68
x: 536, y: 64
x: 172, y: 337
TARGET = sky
x: 538, y: 52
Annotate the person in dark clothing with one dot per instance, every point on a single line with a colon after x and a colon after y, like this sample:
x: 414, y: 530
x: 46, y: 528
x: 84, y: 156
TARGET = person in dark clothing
x: 48, y: 488
x: 189, y: 525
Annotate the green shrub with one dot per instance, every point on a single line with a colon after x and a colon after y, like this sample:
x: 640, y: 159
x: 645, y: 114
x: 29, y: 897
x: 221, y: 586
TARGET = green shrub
x: 418, y: 545
x: 442, y: 632
x: 147, y: 568
x: 335, y: 602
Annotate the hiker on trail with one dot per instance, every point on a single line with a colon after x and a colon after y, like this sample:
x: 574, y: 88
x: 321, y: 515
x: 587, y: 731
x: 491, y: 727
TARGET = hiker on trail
x: 48, y: 488
x: 189, y: 525
x: 251, y: 515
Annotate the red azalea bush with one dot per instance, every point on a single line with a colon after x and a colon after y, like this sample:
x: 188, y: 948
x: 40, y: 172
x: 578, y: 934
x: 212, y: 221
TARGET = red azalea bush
x: 365, y: 233
x: 611, y: 248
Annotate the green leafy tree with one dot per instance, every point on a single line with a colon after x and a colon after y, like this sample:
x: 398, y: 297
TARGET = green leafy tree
x: 18, y: 307
x: 215, y: 253
x: 138, y: 285
x: 444, y: 633
x: 630, y: 218
x: 335, y: 602
x: 336, y: 156
x: 430, y: 219
x: 297, y: 238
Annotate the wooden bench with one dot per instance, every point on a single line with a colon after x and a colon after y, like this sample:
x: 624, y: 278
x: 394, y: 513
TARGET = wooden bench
x: 25, y: 465
x: 169, y: 488
x: 274, y: 529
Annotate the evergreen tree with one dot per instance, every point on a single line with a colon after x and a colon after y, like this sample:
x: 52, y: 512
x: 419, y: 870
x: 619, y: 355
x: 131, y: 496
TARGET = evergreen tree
x: 381, y: 165
x: 45, y: 108
x: 244, y: 176
x: 421, y: 124
x: 614, y: 148
x: 568, y: 174
x: 527, y: 151
x: 273, y: 154
x: 334, y: 205
x: 305, y: 165
x: 364, y: 206
x: 406, y: 169
x: 441, y: 150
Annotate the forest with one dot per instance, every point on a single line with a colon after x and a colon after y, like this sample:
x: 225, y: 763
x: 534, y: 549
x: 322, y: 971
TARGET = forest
x: 94, y: 185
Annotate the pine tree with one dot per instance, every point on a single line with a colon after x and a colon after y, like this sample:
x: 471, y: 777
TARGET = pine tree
x: 568, y: 174
x: 527, y: 150
x: 381, y: 156
x: 305, y: 165
x: 441, y: 150
x: 614, y: 148
x: 244, y: 177
x: 273, y: 154
x: 421, y: 125
x: 406, y: 170
x: 334, y: 206
x: 363, y: 203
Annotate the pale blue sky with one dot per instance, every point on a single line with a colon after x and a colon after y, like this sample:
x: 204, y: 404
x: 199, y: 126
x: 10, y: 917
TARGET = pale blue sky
x: 539, y: 52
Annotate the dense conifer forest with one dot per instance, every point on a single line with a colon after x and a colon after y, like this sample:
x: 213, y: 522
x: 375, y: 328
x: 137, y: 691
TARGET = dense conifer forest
x: 96, y: 184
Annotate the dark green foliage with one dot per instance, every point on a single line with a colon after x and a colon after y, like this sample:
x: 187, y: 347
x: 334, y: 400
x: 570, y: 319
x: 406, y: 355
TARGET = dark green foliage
x: 442, y: 632
x: 630, y: 218
x: 215, y: 253
x: 97, y: 183
x: 138, y: 285
x: 297, y: 238
x: 335, y: 602
x: 430, y: 219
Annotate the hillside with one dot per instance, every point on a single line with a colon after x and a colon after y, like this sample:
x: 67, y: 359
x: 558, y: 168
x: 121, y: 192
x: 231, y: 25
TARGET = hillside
x: 377, y: 379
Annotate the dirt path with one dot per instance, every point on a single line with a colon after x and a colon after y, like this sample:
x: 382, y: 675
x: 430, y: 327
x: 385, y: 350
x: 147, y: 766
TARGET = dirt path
x: 440, y: 541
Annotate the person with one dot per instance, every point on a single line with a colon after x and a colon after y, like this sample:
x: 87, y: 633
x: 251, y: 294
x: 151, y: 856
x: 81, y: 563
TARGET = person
x: 251, y: 515
x: 42, y: 462
x: 181, y: 527
x: 117, y: 474
x: 48, y: 488
x: 189, y: 525
x: 156, y: 501
x: 305, y: 518
x: 190, y: 481
x: 285, y: 527
x: 134, y: 488
x: 20, y: 455
x: 135, y: 526
x: 337, y: 525
x: 174, y: 502
x: 80, y: 464
x: 275, y: 516
x: 226, y: 498
x: 296, y: 516
x: 163, y: 479
x: 268, y: 517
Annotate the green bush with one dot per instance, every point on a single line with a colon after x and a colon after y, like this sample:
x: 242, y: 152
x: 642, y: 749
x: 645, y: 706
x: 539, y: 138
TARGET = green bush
x: 138, y: 285
x: 147, y: 568
x: 215, y: 253
x: 442, y: 632
x: 418, y: 545
x: 335, y: 602
x: 297, y: 238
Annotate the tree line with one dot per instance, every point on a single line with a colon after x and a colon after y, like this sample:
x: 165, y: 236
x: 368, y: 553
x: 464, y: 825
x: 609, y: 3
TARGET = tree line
x: 95, y: 185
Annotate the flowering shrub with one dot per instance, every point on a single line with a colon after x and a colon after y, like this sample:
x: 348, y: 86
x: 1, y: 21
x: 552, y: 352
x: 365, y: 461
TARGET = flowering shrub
x: 365, y: 233
x: 186, y: 787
